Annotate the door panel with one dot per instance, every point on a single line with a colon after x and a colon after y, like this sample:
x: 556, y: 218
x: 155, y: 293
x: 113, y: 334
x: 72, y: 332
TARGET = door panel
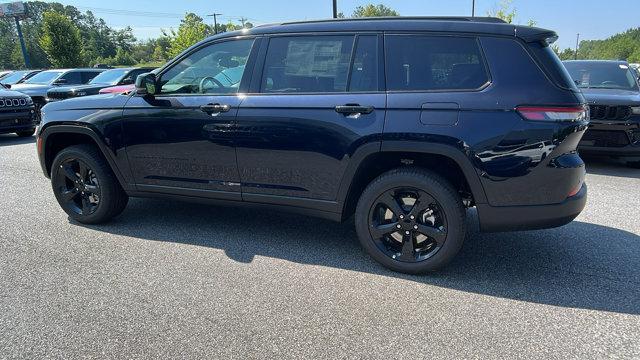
x: 299, y: 145
x: 172, y: 142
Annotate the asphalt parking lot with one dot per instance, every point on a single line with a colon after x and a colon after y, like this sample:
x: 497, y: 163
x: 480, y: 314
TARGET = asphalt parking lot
x: 174, y: 280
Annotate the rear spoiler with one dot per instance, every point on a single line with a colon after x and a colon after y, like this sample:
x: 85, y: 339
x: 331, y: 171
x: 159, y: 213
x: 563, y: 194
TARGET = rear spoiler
x: 534, y: 34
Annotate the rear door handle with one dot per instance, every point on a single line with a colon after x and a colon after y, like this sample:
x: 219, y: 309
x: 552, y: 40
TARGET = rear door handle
x: 214, y: 109
x: 354, y: 110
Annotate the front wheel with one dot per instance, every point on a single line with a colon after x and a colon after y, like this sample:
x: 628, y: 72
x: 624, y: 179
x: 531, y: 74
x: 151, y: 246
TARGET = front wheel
x: 411, y: 220
x: 85, y: 186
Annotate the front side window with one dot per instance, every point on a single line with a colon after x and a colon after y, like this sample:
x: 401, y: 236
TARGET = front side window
x: 431, y: 63
x: 298, y: 64
x: 72, y: 78
x: 214, y: 69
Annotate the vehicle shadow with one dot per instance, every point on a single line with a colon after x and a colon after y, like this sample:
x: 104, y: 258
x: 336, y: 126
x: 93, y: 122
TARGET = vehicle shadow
x: 13, y: 139
x: 580, y: 265
x: 610, y: 167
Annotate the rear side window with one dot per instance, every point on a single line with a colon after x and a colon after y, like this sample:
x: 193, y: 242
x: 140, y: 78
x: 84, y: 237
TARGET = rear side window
x: 88, y: 75
x: 431, y: 63
x: 73, y: 78
x: 364, y: 70
x: 552, y: 65
x: 307, y: 64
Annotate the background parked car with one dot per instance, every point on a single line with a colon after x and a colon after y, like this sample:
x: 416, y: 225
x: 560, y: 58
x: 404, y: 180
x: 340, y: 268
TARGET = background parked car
x: 18, y: 77
x: 38, y: 85
x: 612, y: 91
x: 109, y: 78
x: 16, y: 113
x: 4, y: 73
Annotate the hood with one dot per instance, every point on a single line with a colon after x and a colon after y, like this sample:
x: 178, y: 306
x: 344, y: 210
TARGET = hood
x: 10, y: 93
x: 611, y: 96
x: 32, y: 89
x: 94, y: 102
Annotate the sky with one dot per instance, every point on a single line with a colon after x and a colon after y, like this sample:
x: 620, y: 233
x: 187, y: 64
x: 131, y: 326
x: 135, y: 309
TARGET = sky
x: 592, y: 19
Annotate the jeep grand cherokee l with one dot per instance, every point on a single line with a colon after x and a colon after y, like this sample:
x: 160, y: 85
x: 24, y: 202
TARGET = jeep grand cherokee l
x: 402, y: 122
x: 611, y: 89
x: 16, y: 113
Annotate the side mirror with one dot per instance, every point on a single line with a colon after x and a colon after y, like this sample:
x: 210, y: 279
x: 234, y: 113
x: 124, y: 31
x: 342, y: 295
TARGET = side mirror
x: 60, y: 82
x: 146, y: 84
x: 126, y: 81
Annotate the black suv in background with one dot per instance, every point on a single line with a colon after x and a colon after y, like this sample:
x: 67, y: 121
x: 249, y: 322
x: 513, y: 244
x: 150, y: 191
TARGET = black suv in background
x: 402, y: 122
x: 113, y: 77
x: 611, y: 89
x: 16, y: 113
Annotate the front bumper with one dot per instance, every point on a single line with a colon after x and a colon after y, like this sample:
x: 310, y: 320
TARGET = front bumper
x: 616, y: 139
x: 516, y: 218
x: 21, y: 119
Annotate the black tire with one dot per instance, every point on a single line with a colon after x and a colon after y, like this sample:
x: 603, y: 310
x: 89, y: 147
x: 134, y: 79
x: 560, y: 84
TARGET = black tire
x: 26, y: 133
x: 81, y: 176
x: 634, y: 164
x: 446, y: 204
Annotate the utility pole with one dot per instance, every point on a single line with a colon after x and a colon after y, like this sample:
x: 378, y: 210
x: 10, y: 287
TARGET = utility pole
x: 473, y: 8
x: 27, y: 63
x: 243, y: 20
x: 575, y: 55
x: 215, y: 22
x: 335, y: 9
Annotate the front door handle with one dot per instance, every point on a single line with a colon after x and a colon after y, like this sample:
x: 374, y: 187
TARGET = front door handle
x: 353, y: 110
x: 214, y: 109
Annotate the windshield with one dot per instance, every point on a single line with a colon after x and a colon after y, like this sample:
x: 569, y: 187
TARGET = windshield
x: 109, y: 77
x: 44, y: 78
x: 604, y: 75
x: 14, y: 77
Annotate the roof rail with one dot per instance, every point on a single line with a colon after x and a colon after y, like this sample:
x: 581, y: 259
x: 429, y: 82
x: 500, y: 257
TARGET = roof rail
x: 429, y: 18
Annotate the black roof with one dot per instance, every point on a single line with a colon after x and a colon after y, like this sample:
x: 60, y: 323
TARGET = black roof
x: 475, y: 25
x: 614, y: 62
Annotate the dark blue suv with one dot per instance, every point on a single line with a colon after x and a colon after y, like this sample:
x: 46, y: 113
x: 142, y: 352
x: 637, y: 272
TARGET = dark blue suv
x: 404, y: 123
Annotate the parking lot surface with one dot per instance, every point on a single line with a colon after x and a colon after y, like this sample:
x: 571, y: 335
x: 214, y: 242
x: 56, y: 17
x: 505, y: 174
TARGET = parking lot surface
x: 174, y: 280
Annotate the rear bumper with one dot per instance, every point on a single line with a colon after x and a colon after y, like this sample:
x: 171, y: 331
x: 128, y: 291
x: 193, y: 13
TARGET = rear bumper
x: 516, y: 218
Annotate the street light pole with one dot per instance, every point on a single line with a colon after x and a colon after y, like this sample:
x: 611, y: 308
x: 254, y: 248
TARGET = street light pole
x: 575, y: 55
x: 25, y: 54
x: 473, y: 8
x: 335, y: 9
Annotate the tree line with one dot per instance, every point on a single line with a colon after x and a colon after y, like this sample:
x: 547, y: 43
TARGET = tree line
x: 61, y: 36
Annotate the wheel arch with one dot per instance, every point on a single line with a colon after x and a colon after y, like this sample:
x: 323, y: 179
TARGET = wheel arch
x: 369, y: 163
x: 54, y: 138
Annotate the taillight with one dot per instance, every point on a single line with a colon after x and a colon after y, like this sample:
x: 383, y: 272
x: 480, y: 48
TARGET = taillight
x: 554, y: 113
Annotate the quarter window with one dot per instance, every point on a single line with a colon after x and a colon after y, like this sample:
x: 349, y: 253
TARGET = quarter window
x: 364, y: 71
x: 297, y: 64
x: 434, y: 63
x: 214, y: 69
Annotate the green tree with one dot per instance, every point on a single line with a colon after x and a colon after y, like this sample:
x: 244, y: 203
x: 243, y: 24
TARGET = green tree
x: 192, y: 29
x: 505, y: 11
x: 371, y: 10
x: 61, y: 40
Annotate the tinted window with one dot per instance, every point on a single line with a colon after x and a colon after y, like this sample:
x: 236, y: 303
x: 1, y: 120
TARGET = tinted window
x: 434, y: 63
x: 133, y: 75
x: 364, y: 71
x: 604, y: 75
x: 307, y: 64
x: 72, y: 78
x: 87, y: 76
x: 552, y: 65
x: 215, y: 69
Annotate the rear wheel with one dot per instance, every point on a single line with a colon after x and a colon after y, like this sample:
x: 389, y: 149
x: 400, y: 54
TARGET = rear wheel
x: 26, y: 133
x: 84, y: 185
x: 411, y: 220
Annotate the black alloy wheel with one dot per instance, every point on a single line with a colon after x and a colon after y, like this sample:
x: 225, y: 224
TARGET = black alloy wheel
x: 85, y: 186
x: 78, y: 187
x: 411, y: 220
x: 407, y: 224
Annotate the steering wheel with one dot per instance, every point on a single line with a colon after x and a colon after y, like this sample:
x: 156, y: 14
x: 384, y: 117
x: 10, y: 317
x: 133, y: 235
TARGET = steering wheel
x: 210, y: 79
